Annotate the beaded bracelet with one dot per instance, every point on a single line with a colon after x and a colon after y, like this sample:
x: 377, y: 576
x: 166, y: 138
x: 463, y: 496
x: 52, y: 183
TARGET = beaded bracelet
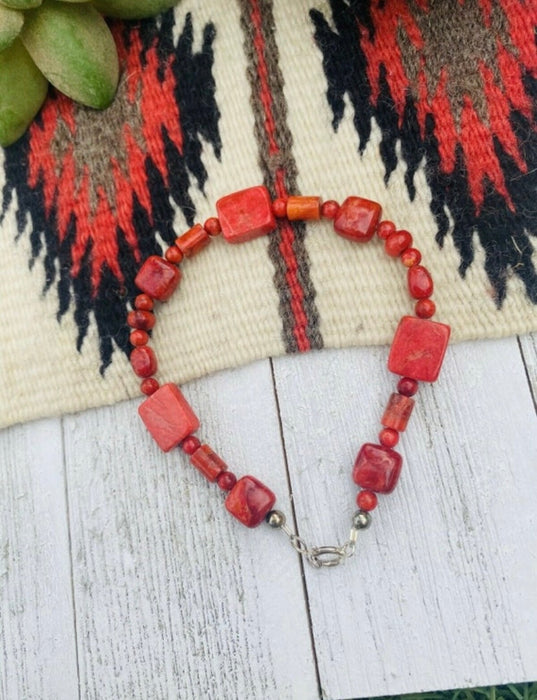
x: 416, y: 354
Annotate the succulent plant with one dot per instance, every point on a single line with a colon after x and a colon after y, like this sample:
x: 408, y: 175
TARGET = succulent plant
x: 64, y: 42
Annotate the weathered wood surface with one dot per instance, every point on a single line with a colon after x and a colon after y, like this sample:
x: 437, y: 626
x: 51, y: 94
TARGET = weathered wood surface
x: 121, y: 576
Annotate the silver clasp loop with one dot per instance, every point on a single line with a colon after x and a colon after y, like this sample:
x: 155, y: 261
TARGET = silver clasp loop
x: 328, y: 555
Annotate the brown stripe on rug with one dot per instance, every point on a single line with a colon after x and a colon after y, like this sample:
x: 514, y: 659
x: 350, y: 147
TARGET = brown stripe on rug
x: 300, y: 318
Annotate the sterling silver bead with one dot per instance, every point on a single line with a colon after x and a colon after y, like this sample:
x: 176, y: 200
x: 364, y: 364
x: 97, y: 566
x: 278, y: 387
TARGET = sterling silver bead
x: 276, y: 519
x: 361, y: 520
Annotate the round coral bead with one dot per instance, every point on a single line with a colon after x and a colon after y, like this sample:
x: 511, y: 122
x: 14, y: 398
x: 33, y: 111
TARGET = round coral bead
x: 329, y: 209
x: 226, y: 481
x: 425, y: 308
x: 174, y: 255
x: 279, y: 208
x: 149, y: 386
x: 212, y: 226
x: 410, y: 257
x: 407, y: 386
x: 420, y: 282
x: 397, y: 242
x: 143, y: 361
x: 388, y: 437
x: 139, y: 337
x: 190, y: 444
x: 144, y: 320
x: 385, y: 229
x: 366, y: 500
x: 144, y: 302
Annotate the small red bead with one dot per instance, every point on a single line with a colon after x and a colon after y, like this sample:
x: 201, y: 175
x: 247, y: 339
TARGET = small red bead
x: 329, y: 209
x: 143, y: 320
x: 397, y: 242
x: 425, y: 308
x: 173, y: 255
x: 226, y: 481
x: 149, y: 386
x: 388, y: 437
x: 366, y: 500
x: 190, y: 444
x: 279, y: 207
x: 212, y: 226
x: 139, y: 337
x: 407, y: 386
x: 144, y: 302
x: 410, y: 257
x: 143, y: 361
x: 385, y: 229
x: 420, y: 282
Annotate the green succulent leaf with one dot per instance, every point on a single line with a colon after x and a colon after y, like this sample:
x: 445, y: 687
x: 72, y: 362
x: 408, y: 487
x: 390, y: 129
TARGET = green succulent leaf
x: 73, y: 47
x: 21, y: 4
x: 23, y: 89
x: 132, y: 9
x: 11, y: 22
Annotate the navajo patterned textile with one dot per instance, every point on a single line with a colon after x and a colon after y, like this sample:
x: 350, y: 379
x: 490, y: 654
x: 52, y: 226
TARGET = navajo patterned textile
x: 427, y: 106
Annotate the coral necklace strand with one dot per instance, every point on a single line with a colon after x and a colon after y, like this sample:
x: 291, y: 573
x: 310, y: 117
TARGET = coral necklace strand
x: 416, y: 354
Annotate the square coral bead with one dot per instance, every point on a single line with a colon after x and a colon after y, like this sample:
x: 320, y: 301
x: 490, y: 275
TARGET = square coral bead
x: 357, y: 219
x: 377, y: 468
x: 249, y: 501
x: 418, y: 348
x: 246, y: 214
x: 158, y: 278
x: 168, y: 416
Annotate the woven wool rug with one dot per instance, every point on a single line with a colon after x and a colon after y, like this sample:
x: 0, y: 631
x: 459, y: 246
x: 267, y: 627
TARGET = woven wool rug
x: 427, y: 106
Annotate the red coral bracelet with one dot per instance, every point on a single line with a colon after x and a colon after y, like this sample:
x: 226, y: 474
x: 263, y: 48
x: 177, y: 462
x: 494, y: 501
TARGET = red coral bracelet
x: 416, y: 354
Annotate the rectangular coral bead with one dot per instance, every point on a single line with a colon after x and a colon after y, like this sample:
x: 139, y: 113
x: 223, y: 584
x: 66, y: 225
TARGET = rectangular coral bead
x: 168, y: 416
x: 246, y: 214
x: 158, y: 278
x: 208, y: 462
x: 193, y: 240
x: 249, y: 501
x: 398, y: 411
x: 418, y: 348
x: 377, y: 468
x: 357, y: 219
x: 301, y: 208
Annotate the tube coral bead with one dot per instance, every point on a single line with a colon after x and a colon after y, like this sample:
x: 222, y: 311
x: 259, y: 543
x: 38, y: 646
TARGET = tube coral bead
x: 190, y: 444
x: 397, y: 413
x: 388, y: 437
x: 149, y: 386
x: 212, y: 226
x: 208, y: 462
x: 425, y: 308
x: 143, y: 361
x: 193, y: 241
x: 385, y: 229
x: 303, y: 208
x: 279, y: 208
x: 407, y: 386
x: 329, y: 209
x: 144, y: 302
x: 138, y: 337
x: 143, y: 320
x: 366, y: 500
x: 420, y: 282
x: 397, y: 242
x: 410, y: 257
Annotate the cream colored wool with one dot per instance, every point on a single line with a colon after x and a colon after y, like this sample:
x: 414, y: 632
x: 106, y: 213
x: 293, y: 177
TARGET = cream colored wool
x: 226, y: 311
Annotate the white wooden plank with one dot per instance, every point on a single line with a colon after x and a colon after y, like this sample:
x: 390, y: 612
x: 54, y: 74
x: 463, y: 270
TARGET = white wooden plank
x: 173, y: 597
x: 37, y: 638
x: 439, y: 592
x: 528, y: 348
